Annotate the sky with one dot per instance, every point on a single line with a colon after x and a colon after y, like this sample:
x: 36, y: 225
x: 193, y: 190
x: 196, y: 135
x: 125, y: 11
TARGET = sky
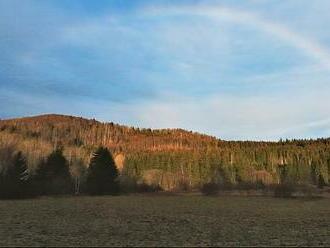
x: 237, y: 70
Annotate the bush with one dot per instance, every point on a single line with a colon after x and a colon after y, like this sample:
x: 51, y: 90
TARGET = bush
x: 127, y: 184
x: 133, y: 185
x: 260, y: 185
x: 210, y: 188
x: 321, y: 182
x: 251, y: 186
x: 307, y: 190
x: 284, y: 190
x: 183, y: 186
x: 226, y: 186
x: 145, y: 188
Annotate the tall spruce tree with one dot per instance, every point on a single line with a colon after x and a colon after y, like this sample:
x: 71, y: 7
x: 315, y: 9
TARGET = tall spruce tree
x: 102, y: 174
x: 14, y: 178
x: 53, y: 176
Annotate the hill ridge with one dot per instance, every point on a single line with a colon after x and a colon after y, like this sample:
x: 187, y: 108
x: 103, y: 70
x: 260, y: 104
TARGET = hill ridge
x: 55, y: 117
x: 175, y: 155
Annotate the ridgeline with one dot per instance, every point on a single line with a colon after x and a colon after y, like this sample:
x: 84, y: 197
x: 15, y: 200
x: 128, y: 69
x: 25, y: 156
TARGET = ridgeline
x: 171, y: 158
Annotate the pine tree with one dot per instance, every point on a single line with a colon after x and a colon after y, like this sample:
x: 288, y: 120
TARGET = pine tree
x: 53, y: 176
x: 102, y: 174
x: 14, y: 178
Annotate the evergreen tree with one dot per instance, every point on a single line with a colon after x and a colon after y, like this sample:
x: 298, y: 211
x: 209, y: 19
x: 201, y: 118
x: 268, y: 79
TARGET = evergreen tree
x: 14, y: 178
x: 53, y: 176
x: 102, y: 174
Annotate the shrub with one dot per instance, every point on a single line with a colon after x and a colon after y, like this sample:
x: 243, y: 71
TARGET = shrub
x: 226, y: 186
x: 127, y: 184
x: 210, y: 188
x: 321, y: 182
x: 259, y: 185
x: 284, y: 190
x: 133, y: 185
x: 307, y: 190
x: 183, y: 186
x: 145, y: 188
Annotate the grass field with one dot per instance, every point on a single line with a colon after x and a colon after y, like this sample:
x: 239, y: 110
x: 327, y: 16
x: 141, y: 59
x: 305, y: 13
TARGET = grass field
x: 145, y: 220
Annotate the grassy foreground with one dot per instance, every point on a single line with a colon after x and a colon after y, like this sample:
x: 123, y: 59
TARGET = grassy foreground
x: 144, y: 220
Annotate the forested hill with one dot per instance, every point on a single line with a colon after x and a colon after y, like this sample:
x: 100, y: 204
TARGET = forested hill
x: 75, y: 131
x: 172, y: 153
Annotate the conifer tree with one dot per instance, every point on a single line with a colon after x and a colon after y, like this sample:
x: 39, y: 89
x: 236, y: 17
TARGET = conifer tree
x: 14, y: 178
x: 53, y: 175
x: 102, y: 174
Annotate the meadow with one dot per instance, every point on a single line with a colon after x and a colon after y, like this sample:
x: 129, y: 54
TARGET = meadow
x: 164, y: 220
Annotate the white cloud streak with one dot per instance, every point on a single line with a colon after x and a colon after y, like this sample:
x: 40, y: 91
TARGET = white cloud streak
x: 307, y: 45
x: 232, y: 117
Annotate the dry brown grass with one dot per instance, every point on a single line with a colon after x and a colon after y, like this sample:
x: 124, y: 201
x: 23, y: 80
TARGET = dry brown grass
x: 140, y: 220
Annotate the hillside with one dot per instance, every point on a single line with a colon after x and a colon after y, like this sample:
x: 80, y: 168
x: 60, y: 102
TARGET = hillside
x: 171, y: 156
x: 75, y: 131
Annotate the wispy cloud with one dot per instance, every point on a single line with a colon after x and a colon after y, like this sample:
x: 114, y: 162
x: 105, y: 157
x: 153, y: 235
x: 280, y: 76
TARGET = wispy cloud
x: 219, y: 13
x: 248, y: 117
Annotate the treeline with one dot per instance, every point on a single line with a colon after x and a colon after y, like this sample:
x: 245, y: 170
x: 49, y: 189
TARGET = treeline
x: 169, y: 159
x: 302, y: 165
x: 53, y: 176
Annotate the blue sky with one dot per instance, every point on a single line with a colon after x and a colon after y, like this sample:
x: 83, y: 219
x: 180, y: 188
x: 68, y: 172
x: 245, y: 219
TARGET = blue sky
x: 233, y: 69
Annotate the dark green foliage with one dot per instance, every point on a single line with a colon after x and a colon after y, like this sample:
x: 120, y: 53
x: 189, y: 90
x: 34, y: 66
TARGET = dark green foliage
x: 14, y: 178
x: 102, y: 174
x: 52, y: 176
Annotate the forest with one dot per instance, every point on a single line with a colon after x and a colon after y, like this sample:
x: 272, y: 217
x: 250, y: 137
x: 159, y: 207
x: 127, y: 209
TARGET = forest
x: 170, y: 159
